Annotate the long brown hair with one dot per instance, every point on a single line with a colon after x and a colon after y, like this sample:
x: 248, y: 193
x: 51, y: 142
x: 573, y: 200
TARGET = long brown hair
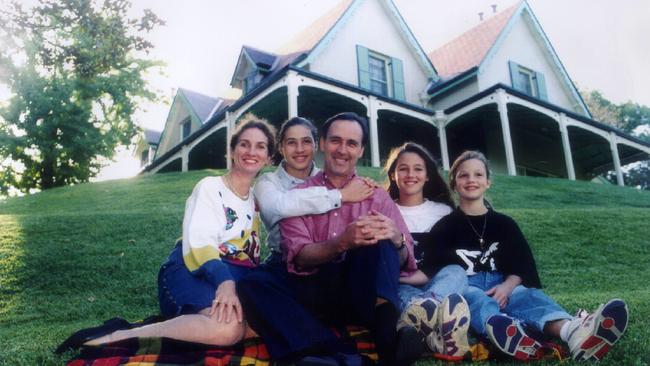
x: 435, y: 189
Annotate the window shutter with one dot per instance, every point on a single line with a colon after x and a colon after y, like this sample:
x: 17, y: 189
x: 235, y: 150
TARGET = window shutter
x: 398, y: 79
x: 362, y: 67
x: 514, y: 75
x: 541, y: 86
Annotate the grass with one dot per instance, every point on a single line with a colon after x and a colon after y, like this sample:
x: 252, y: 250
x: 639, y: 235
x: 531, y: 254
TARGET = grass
x: 75, y: 256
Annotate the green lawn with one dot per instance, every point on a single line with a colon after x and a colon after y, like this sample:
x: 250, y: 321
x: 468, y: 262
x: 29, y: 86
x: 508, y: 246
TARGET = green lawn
x: 73, y: 257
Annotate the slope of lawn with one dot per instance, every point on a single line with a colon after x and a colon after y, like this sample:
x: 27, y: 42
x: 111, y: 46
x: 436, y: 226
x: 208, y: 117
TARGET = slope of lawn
x: 75, y: 256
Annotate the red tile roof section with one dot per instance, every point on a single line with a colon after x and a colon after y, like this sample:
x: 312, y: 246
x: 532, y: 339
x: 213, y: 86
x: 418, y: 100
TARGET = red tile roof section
x: 470, y: 48
x: 309, y: 37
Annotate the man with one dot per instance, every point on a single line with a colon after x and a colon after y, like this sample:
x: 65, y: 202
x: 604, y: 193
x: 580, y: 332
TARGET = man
x: 342, y: 266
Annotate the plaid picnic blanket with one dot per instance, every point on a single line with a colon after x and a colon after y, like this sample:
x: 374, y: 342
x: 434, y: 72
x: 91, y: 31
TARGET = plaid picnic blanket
x: 170, y: 352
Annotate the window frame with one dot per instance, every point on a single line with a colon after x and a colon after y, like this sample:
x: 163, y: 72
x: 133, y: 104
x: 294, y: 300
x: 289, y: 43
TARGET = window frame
x: 186, y: 122
x: 387, y: 71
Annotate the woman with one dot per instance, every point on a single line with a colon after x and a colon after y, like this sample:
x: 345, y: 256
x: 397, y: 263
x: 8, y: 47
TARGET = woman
x: 196, y: 285
x: 414, y: 182
x: 273, y: 191
x: 504, y: 288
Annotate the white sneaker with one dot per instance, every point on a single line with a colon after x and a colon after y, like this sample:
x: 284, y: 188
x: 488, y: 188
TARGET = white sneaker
x: 421, y: 314
x: 449, y: 338
x: 591, y: 336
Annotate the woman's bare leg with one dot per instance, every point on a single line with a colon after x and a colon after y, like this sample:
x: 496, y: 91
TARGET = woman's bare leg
x: 199, y: 328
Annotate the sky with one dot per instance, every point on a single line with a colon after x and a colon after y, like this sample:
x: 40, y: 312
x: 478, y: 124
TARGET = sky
x: 602, y: 44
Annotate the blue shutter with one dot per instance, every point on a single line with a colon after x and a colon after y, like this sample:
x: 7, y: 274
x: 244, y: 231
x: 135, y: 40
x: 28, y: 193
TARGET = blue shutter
x: 514, y: 74
x: 362, y: 67
x: 398, y: 79
x: 541, y: 86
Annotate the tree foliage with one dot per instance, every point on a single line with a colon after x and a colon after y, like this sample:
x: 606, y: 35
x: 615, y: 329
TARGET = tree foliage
x: 76, y: 71
x: 631, y: 118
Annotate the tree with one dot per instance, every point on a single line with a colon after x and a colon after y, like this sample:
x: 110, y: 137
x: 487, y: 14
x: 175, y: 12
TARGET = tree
x: 76, y: 71
x: 631, y: 118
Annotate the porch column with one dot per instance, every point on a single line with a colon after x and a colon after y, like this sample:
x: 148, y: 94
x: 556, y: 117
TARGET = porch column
x: 441, y: 121
x: 616, y: 158
x: 230, y: 124
x: 185, y: 152
x: 505, y: 128
x: 292, y: 93
x: 566, y: 146
x: 374, y: 135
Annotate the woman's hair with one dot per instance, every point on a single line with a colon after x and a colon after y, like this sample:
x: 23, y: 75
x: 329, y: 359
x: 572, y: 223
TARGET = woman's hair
x: 434, y: 188
x: 467, y: 155
x: 295, y: 121
x: 252, y: 121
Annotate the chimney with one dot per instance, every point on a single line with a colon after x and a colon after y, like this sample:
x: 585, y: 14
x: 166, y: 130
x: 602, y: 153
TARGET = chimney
x: 494, y: 8
x: 480, y: 16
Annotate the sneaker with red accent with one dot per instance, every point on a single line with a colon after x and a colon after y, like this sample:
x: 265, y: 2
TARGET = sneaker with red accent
x: 449, y: 338
x: 509, y: 336
x: 421, y: 314
x: 590, y: 337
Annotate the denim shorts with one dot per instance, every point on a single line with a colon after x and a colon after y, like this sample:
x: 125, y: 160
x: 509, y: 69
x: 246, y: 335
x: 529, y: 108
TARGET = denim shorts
x: 181, y: 292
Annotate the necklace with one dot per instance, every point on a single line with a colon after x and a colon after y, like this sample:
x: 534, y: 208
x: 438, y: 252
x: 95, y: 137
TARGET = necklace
x: 226, y: 180
x: 480, y: 236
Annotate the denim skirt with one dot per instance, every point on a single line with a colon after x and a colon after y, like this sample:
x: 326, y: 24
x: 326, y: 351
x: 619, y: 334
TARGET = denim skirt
x: 181, y: 292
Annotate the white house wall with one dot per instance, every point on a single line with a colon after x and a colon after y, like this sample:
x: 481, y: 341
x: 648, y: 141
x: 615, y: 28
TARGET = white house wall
x: 522, y: 46
x: 458, y: 94
x: 371, y: 27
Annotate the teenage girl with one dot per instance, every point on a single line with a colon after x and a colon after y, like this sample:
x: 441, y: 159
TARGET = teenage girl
x: 504, y: 286
x: 430, y: 306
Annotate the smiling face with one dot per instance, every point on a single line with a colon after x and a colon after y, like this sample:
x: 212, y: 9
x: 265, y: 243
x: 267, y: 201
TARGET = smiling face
x: 342, y: 148
x: 471, y: 180
x: 251, y: 152
x: 410, y: 176
x: 297, y: 149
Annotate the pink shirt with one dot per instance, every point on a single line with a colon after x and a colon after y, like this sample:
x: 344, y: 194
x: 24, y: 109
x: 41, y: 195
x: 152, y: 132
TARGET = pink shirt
x: 302, y: 230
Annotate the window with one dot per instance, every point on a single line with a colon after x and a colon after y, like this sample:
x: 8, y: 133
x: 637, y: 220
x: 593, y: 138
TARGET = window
x: 528, y: 81
x: 186, y: 128
x: 144, y: 157
x: 250, y: 81
x: 378, y: 76
x: 383, y: 75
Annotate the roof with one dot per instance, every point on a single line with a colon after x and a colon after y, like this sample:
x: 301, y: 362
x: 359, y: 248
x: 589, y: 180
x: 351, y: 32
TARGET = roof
x: 202, y: 105
x: 470, y: 48
x: 261, y: 58
x: 151, y: 136
x: 310, y: 36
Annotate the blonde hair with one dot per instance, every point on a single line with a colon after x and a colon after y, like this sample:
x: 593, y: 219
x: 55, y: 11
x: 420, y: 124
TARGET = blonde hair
x: 467, y: 155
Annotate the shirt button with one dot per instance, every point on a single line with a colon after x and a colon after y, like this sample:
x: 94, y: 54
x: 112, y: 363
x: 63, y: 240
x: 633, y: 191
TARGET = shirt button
x: 334, y: 234
x: 336, y: 214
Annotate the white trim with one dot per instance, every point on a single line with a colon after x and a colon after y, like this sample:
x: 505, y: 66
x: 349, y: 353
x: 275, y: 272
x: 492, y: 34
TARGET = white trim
x: 488, y: 99
x: 617, y: 161
x: 502, y: 105
x: 374, y: 134
x: 440, y: 120
x: 566, y: 147
x: 292, y: 93
x: 214, y: 109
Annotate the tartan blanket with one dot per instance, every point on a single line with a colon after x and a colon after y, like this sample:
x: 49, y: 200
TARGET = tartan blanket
x: 250, y: 352
x: 170, y: 352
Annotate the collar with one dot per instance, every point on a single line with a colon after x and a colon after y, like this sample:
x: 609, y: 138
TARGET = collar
x: 325, y: 180
x: 283, y: 174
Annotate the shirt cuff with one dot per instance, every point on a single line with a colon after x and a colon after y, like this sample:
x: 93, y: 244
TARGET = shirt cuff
x: 335, y: 197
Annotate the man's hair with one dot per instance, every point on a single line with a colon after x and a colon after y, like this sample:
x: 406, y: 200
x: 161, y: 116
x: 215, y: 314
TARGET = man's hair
x: 347, y: 116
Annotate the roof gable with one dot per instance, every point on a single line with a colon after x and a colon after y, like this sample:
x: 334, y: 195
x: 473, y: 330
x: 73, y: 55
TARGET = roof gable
x: 200, y: 105
x: 317, y: 36
x: 470, y: 48
x: 477, y: 46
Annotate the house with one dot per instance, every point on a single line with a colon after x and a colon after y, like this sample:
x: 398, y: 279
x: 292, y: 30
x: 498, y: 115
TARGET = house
x: 145, y: 148
x: 500, y: 87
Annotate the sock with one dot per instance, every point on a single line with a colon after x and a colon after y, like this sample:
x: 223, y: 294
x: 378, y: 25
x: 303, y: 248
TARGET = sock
x: 564, y: 331
x: 384, y: 333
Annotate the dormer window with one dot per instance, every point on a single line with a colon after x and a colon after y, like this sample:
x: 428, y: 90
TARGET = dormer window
x: 528, y: 81
x: 378, y: 67
x: 186, y: 128
x: 250, y: 81
x: 381, y: 74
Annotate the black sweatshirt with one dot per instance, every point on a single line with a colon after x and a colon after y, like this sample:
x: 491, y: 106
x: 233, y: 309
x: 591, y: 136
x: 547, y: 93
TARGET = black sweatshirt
x: 453, y: 241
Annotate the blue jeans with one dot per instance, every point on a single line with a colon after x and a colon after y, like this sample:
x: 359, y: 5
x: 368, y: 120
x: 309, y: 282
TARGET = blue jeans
x: 528, y: 305
x: 449, y: 280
